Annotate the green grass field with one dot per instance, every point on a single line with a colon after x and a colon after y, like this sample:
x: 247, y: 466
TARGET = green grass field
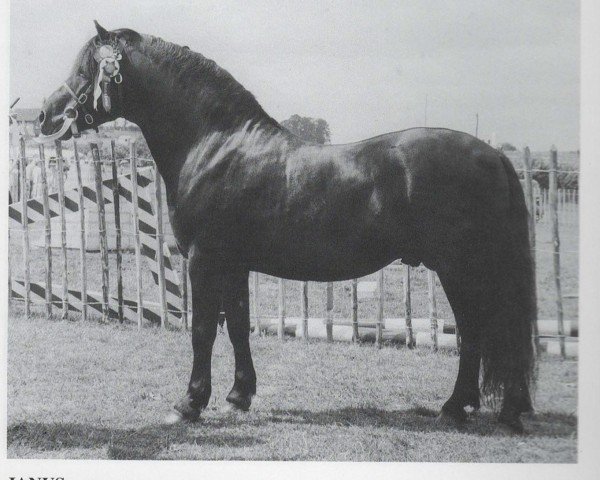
x: 91, y: 390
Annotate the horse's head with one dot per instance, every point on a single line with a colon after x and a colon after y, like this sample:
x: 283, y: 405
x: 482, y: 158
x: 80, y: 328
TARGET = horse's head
x: 93, y: 93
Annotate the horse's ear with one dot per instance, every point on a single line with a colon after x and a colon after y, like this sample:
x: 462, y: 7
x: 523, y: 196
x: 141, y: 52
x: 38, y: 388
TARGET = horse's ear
x: 102, y: 32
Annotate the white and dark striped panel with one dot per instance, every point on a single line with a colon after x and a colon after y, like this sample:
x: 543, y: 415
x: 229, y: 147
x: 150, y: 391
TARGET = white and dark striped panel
x: 38, y: 295
x: 147, y: 227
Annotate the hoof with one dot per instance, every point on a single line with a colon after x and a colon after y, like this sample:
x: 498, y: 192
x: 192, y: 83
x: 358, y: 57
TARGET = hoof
x: 504, y: 430
x: 239, y: 402
x: 452, y: 414
x: 184, y: 412
x: 512, y: 427
x: 509, y: 422
x: 444, y: 418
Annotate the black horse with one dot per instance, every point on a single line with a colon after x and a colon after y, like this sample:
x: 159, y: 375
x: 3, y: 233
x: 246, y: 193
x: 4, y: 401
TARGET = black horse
x: 244, y: 194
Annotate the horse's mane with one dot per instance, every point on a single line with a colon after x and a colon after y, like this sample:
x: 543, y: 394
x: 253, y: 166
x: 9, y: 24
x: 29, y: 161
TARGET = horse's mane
x: 192, y: 69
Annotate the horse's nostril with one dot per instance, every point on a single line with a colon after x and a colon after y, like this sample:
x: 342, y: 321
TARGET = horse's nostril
x: 42, y: 117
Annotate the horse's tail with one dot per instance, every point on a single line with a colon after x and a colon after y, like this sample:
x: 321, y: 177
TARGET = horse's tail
x: 508, y: 358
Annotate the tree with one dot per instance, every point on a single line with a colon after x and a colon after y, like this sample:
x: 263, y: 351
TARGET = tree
x: 507, y: 147
x: 311, y: 129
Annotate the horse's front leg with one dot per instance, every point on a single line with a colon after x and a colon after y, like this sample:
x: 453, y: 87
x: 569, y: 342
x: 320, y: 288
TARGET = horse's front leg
x: 206, y: 299
x: 237, y: 314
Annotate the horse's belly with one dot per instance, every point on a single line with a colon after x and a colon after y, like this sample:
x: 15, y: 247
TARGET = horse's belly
x: 320, y: 258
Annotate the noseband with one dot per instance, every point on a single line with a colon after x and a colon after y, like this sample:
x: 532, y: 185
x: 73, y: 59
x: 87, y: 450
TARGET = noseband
x: 107, y: 56
x: 79, y: 101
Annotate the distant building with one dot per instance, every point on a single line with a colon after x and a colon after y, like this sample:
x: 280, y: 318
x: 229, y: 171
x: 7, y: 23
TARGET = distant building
x: 120, y: 124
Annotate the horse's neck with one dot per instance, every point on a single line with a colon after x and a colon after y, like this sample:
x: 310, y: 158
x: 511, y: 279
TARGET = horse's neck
x: 175, y: 118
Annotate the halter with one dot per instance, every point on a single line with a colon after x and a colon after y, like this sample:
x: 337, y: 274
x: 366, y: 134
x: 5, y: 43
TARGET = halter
x: 107, y: 56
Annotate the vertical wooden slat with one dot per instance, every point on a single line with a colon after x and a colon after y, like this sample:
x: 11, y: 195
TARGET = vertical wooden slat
x: 432, y: 308
x: 184, y: 293
x: 25, y: 223
x: 117, y: 213
x: 160, y: 259
x: 256, y: 303
x: 282, y: 310
x: 556, y: 246
x: 531, y: 205
x: 410, y: 337
x: 304, y: 310
x: 354, y: 294
x: 82, y: 239
x: 136, y: 233
x: 63, y: 228
x: 101, y: 229
x: 329, y: 312
x: 47, y: 231
x: 380, y: 302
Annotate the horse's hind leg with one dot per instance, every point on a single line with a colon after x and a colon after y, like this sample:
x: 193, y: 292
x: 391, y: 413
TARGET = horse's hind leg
x: 492, y: 305
x: 237, y: 314
x: 466, y: 389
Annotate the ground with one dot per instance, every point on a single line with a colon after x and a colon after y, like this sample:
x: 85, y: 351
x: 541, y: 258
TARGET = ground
x: 89, y: 390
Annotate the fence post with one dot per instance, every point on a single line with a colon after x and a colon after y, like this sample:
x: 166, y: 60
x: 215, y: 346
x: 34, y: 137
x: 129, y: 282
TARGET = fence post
x: 117, y: 212
x: 329, y: 311
x: 101, y: 229
x: 136, y: 232
x: 304, y: 310
x: 82, y: 264
x: 63, y: 228
x: 255, y: 303
x: 47, y: 231
x: 432, y: 308
x: 159, y: 248
x: 184, y: 292
x: 556, y: 246
x: 355, y: 333
x: 531, y: 206
x: 282, y: 313
x: 410, y: 338
x: 380, y: 301
x: 25, y: 224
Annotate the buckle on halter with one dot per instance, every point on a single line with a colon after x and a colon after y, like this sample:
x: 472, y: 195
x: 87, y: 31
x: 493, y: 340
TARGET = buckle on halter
x: 118, y: 78
x: 82, y: 98
x: 88, y: 119
x: 71, y: 113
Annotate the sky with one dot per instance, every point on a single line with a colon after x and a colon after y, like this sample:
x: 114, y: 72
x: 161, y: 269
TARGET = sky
x: 365, y: 67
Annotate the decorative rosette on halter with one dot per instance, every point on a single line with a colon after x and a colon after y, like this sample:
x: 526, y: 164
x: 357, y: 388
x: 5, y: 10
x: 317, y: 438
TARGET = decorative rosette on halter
x: 108, y: 57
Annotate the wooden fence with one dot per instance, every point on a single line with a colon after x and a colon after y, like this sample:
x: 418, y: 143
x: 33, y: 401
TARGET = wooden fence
x: 125, y: 211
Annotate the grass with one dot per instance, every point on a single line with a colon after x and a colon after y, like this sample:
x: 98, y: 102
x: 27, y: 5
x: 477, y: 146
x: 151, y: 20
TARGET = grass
x: 91, y: 390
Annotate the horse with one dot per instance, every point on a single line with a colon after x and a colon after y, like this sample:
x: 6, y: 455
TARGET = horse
x: 244, y: 194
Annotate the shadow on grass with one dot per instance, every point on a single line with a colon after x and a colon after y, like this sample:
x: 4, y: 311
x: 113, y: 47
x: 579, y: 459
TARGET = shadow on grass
x: 421, y: 419
x: 130, y: 444
x: 148, y: 443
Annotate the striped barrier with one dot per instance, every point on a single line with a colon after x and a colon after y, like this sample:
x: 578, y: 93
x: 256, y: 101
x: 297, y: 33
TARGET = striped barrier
x: 151, y: 311
x: 148, y: 233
